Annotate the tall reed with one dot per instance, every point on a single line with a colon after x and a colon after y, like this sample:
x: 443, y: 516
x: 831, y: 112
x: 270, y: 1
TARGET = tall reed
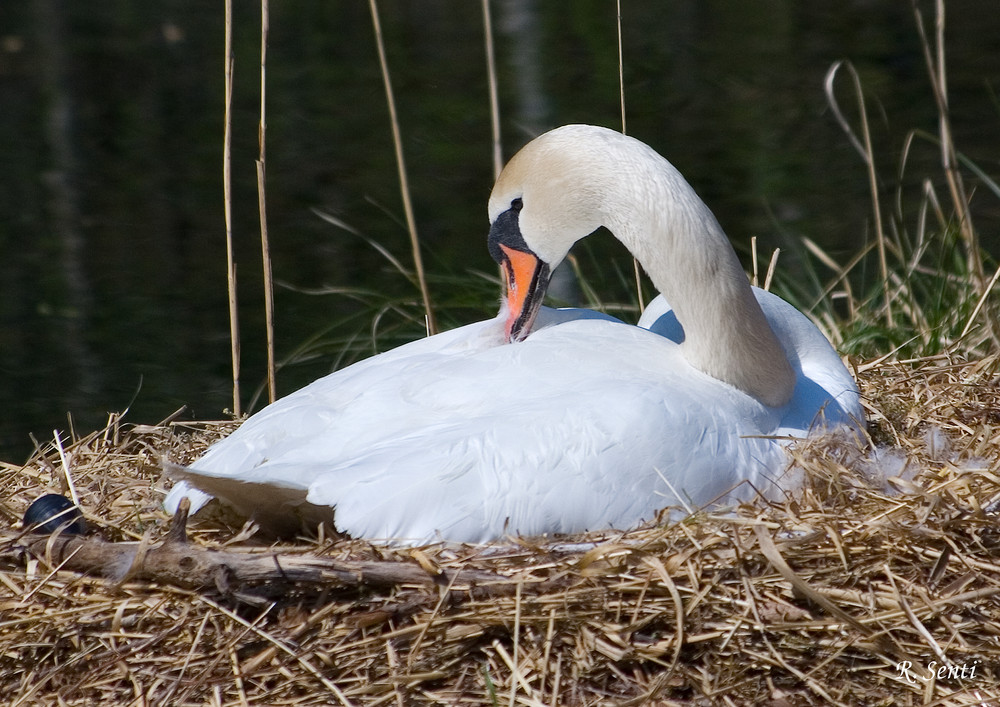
x: 491, y: 77
x: 265, y: 246
x: 935, y: 60
x: 404, y: 184
x: 227, y: 189
x: 636, y: 269
x: 864, y: 148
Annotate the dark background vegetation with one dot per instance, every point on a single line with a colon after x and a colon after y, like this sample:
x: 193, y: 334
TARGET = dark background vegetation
x: 112, y: 249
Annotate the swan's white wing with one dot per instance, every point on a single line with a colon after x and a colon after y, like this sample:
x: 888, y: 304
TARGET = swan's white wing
x: 330, y: 416
x: 466, y: 440
x: 592, y: 443
x: 533, y: 457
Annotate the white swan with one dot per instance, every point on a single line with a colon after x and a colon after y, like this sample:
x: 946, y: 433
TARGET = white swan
x: 586, y: 423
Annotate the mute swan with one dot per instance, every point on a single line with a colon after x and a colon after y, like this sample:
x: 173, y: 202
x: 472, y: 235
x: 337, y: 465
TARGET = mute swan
x: 580, y: 422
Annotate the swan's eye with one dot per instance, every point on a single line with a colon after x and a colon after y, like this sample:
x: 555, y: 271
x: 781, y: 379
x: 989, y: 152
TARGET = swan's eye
x: 517, y: 204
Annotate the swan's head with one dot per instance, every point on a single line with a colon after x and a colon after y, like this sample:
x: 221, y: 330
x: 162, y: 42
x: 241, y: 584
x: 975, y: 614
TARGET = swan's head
x: 547, y: 198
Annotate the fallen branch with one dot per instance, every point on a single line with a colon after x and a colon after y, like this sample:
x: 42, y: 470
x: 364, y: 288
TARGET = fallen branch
x: 178, y: 562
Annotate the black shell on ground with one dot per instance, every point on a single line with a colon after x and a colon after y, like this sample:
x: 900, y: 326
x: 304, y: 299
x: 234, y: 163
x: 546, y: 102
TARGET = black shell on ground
x: 50, y: 512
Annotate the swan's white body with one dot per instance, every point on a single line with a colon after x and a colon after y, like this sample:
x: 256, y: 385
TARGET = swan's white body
x: 586, y: 424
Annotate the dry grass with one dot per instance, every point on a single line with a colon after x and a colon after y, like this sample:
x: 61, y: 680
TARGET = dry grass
x: 815, y: 601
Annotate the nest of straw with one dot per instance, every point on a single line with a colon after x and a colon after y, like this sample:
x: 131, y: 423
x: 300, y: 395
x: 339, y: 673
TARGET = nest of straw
x: 851, y: 592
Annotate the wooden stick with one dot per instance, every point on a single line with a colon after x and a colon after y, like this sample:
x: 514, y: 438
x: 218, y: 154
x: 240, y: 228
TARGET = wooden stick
x: 180, y: 563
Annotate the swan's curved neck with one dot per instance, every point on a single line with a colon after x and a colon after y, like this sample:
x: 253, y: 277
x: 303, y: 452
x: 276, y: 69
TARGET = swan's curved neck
x: 684, y: 250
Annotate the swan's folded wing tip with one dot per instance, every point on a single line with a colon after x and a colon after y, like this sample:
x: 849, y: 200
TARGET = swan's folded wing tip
x: 182, y: 488
x: 282, y: 509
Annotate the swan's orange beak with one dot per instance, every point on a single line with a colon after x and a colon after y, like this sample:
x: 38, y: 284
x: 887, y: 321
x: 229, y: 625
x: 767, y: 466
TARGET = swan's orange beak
x: 527, y: 278
x: 526, y: 275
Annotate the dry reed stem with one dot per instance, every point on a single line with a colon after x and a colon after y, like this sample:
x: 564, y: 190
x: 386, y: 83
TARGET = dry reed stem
x: 404, y: 184
x: 949, y: 162
x: 265, y: 247
x: 636, y: 269
x: 491, y: 75
x: 771, y: 266
x: 621, y: 63
x: 868, y: 155
x: 819, y: 599
x: 227, y: 198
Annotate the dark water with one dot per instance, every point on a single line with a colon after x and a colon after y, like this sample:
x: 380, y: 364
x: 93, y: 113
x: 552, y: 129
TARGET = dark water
x: 112, y: 250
